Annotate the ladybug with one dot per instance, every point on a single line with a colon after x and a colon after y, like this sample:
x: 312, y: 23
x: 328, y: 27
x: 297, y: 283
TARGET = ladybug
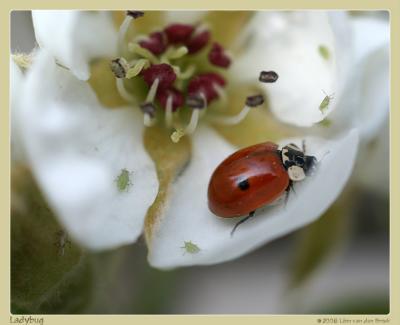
x: 256, y: 176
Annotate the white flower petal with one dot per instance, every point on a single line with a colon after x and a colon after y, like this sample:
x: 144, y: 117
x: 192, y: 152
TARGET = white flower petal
x: 75, y: 37
x: 372, y: 37
x: 288, y: 43
x: 78, y: 149
x: 187, y: 217
x: 16, y: 85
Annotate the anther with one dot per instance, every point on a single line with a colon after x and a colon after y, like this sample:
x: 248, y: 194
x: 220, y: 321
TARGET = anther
x: 218, y: 57
x: 268, y: 76
x: 137, y: 68
x: 163, y: 72
x: 144, y: 52
x: 155, y: 43
x: 149, y: 111
x: 119, y: 67
x: 254, y: 101
x: 196, y: 101
x: 251, y: 101
x: 178, y: 33
x: 134, y: 13
x: 204, y: 84
x: 198, y: 40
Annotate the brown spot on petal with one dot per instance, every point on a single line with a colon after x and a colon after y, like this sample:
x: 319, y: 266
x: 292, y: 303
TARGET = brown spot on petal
x: 170, y: 160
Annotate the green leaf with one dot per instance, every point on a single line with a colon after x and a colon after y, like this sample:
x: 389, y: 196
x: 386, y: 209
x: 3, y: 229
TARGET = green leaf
x: 42, y: 259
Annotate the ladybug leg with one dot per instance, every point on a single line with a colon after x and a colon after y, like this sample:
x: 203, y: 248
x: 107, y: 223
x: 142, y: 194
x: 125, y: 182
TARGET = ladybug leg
x: 303, y: 145
x: 289, y: 189
x: 241, y: 221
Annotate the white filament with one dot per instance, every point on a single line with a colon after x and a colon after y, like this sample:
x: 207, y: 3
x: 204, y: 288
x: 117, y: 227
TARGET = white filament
x: 168, y: 112
x: 231, y: 120
x: 153, y: 91
x: 123, y: 92
x: 123, y: 29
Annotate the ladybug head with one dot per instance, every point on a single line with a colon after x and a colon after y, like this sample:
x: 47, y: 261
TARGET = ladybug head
x: 297, y: 164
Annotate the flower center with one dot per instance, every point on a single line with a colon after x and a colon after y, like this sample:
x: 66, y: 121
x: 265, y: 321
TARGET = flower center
x: 177, y: 69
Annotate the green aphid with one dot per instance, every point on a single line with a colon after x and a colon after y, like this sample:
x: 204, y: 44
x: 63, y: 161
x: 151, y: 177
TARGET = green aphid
x: 191, y: 248
x: 325, y: 102
x: 123, y: 180
x: 324, y: 52
x: 325, y: 123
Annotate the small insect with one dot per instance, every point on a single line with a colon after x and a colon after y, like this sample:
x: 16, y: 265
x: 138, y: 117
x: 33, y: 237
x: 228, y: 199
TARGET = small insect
x: 123, y: 180
x: 324, y: 52
x: 190, y: 248
x: 256, y: 176
x: 325, y: 102
x: 61, y: 242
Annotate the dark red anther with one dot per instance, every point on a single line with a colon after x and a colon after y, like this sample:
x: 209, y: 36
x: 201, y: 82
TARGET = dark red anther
x: 204, y: 84
x: 218, y: 57
x: 177, y: 98
x: 197, y: 42
x: 163, y: 72
x: 155, y: 43
x: 178, y: 33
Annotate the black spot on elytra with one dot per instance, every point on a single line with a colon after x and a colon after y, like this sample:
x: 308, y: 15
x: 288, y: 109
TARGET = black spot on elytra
x: 244, y: 184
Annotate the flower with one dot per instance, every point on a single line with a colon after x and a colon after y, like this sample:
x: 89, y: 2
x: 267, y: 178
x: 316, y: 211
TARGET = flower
x: 116, y: 158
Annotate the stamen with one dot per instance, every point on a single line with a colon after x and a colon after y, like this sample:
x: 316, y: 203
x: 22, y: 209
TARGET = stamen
x: 168, y: 112
x: 186, y: 74
x: 199, y: 39
x: 221, y: 93
x: 155, y: 43
x: 135, y: 14
x: 173, y: 53
x: 137, y: 68
x: 136, y: 48
x: 268, y: 76
x: 123, y: 29
x: 153, y: 91
x: 254, y: 101
x: 163, y: 72
x: 194, y: 119
x: 177, y: 135
x: 251, y: 101
x: 123, y: 92
x: 218, y: 57
x: 197, y: 103
x: 119, y: 67
x: 203, y: 83
x: 178, y: 33
x: 148, y: 110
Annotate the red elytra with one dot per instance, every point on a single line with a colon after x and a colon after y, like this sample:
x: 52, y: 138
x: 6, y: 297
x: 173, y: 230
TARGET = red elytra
x: 247, y: 180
